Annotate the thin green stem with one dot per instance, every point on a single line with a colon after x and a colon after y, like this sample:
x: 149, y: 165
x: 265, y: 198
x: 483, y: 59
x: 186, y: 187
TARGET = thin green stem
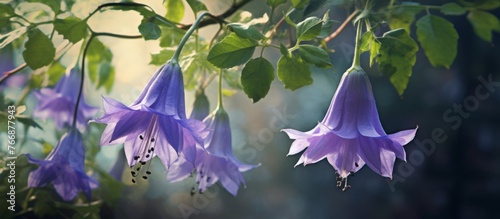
x: 220, y: 106
x: 186, y: 36
x: 357, y: 52
x: 80, y: 90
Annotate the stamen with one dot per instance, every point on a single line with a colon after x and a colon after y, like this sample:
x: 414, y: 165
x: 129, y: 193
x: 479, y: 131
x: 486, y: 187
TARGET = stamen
x: 133, y: 180
x: 133, y: 173
x: 140, y: 136
x: 148, y: 172
x: 192, y: 191
x: 356, y: 164
x: 137, y: 157
x: 144, y: 177
x: 152, y: 140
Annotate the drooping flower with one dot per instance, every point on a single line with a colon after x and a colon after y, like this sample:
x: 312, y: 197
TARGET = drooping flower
x: 350, y: 134
x: 64, y: 167
x: 219, y: 164
x: 155, y: 124
x: 59, y: 103
x: 201, y: 106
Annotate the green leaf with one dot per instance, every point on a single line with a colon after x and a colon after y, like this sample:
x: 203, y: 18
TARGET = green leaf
x: 100, y: 70
x: 6, y: 10
x: 106, y: 73
x: 28, y: 122
x: 173, y: 38
x: 141, y: 10
x: 484, y: 23
x: 231, y: 51
x: 299, y: 4
x: 55, y: 72
x: 72, y: 28
x: 39, y: 50
x: 162, y: 57
x: 452, y: 8
x: 284, y: 51
x: 197, y: 6
x: 245, y: 31
x: 326, y: 25
x: 275, y: 3
x: 397, y: 55
x: 175, y: 10
x: 53, y: 4
x: 368, y: 43
x: 403, y: 17
x: 315, y: 56
x: 256, y: 78
x: 439, y: 40
x: 309, y: 28
x: 366, y: 40
x: 374, y: 51
x: 232, y: 78
x: 149, y: 30
x: 294, y: 72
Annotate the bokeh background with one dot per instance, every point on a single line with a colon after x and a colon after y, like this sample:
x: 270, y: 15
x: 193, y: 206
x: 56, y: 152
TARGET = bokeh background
x: 459, y: 178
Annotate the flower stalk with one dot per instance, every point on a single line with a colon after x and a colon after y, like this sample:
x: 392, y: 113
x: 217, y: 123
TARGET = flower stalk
x: 186, y: 36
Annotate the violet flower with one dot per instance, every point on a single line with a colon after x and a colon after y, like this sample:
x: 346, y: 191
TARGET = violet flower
x: 64, y: 167
x: 59, y: 103
x: 155, y: 124
x: 219, y: 164
x: 351, y: 135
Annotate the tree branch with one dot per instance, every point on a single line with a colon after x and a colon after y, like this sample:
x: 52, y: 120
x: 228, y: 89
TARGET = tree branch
x: 235, y: 7
x: 342, y: 26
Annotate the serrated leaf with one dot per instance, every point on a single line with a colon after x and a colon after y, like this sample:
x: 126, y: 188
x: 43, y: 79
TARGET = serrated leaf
x: 299, y: 4
x: 175, y: 10
x: 397, y: 55
x: 484, y: 23
x: 439, y: 40
x: 315, y: 56
x: 149, y: 30
x: 39, y: 50
x: 275, y: 3
x: 452, y: 8
x: 309, y: 28
x: 196, y: 6
x: 231, y: 51
x: 294, y: 72
x: 245, y: 31
x: 55, y: 72
x: 162, y: 57
x: 72, y: 28
x: 256, y: 78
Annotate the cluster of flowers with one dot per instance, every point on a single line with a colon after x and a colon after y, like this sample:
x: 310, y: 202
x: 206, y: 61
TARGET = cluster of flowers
x: 155, y: 124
